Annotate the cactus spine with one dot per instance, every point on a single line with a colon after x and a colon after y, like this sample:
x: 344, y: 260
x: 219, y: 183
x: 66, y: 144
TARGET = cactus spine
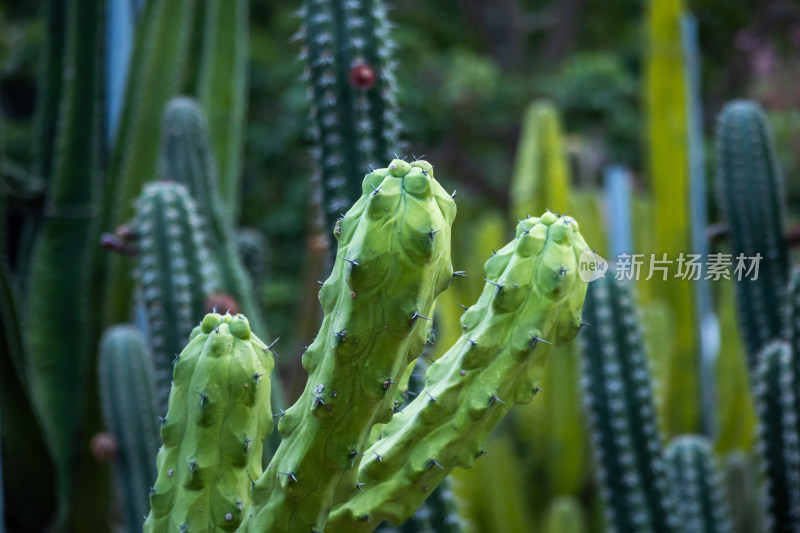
x: 779, y: 435
x: 223, y: 90
x: 697, y: 486
x: 127, y: 387
x: 750, y: 193
x: 219, y: 416
x: 174, y: 272
x: 532, y: 300
x: 393, y: 259
x: 348, y: 55
x: 619, y: 401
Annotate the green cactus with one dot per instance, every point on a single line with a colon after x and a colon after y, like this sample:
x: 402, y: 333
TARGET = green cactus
x: 347, y: 49
x: 186, y: 157
x: 541, y: 169
x: 174, y: 271
x: 59, y: 315
x: 564, y: 515
x: 779, y: 435
x: 155, y: 68
x: 751, y: 196
x: 618, y: 398
x: 700, y: 501
x: 531, y: 301
x: 436, y: 515
x: 219, y: 416
x: 392, y: 261
x: 743, y: 494
x: 130, y: 413
x: 223, y: 90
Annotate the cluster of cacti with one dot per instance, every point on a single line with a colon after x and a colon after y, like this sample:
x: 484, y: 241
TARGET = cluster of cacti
x: 347, y: 49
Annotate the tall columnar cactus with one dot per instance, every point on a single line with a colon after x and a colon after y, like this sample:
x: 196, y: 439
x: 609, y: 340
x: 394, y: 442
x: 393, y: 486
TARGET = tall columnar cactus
x: 666, y: 98
x: 531, y: 301
x: 393, y: 259
x: 618, y: 398
x: 741, y: 483
x: 750, y: 193
x: 697, y: 486
x: 59, y: 314
x: 174, y: 271
x: 779, y: 435
x: 130, y: 413
x: 541, y: 169
x: 186, y: 157
x: 347, y: 49
x: 155, y: 70
x: 219, y: 416
x: 223, y: 90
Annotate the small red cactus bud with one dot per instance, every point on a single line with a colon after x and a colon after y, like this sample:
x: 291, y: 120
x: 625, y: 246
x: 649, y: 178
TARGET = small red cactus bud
x: 104, y: 447
x: 363, y: 76
x: 221, y: 303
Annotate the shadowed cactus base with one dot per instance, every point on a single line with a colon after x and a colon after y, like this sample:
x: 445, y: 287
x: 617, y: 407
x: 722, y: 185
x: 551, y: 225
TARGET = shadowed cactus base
x: 219, y: 417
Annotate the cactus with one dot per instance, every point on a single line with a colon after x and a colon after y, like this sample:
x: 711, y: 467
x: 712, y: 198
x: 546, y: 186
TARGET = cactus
x: 186, y: 157
x: 541, y: 169
x: 564, y: 516
x: 531, y: 301
x: 618, y: 399
x: 742, y: 489
x: 219, y: 416
x: 223, y: 90
x: 174, y: 271
x: 392, y: 261
x: 59, y: 314
x: 348, y: 54
x: 254, y: 252
x: 666, y: 98
x: 697, y: 486
x: 750, y: 193
x: 436, y: 515
x: 779, y: 435
x: 155, y: 72
x: 127, y: 386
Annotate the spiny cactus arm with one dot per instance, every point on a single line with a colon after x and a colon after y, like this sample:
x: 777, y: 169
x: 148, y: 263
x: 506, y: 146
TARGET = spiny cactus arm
x: 223, y: 90
x: 155, y: 72
x: 130, y: 414
x: 778, y: 440
x: 348, y: 53
x: 792, y: 326
x: 218, y: 419
x: 532, y: 300
x: 619, y: 402
x: 174, y: 271
x: 393, y: 259
x: 750, y: 193
x: 693, y: 476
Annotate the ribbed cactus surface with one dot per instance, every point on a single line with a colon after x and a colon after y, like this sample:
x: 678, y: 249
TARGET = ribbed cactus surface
x: 130, y: 413
x: 779, y: 435
x: 347, y: 48
x: 219, y: 416
x: 174, y: 272
x: 393, y: 259
x: 618, y: 399
x: 750, y: 193
x: 531, y: 301
x: 696, y: 483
